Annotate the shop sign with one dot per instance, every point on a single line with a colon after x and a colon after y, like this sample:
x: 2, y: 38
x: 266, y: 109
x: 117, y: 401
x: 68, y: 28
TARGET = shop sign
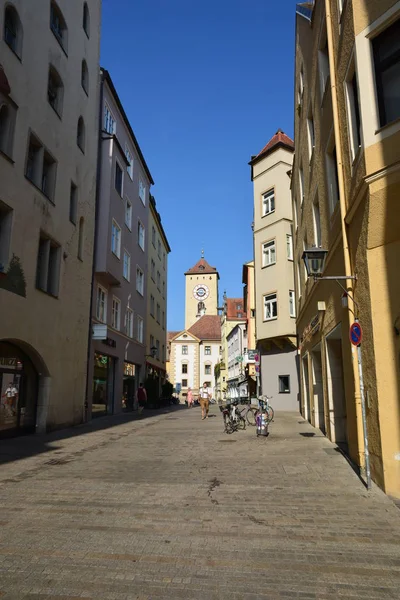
x: 10, y: 363
x: 250, y: 356
x: 129, y: 369
x: 312, y: 328
x: 109, y: 342
x: 99, y: 332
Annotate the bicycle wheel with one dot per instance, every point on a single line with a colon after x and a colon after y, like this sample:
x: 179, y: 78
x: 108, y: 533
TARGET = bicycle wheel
x: 251, y: 416
x: 241, y: 423
x: 270, y: 414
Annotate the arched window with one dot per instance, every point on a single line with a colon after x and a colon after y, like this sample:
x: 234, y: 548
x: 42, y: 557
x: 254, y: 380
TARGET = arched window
x: 13, y: 30
x: 55, y: 90
x: 7, y: 122
x: 80, y: 136
x: 81, y: 237
x: 85, y: 77
x: 86, y: 19
x: 58, y: 25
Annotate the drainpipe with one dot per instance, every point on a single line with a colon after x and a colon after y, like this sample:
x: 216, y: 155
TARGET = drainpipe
x: 96, y: 221
x: 346, y: 252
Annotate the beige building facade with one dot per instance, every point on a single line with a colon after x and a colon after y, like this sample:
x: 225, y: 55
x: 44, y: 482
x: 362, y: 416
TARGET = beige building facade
x: 275, y: 304
x: 48, y: 156
x: 345, y: 186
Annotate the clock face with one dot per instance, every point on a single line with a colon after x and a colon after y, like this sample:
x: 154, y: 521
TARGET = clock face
x: 201, y: 292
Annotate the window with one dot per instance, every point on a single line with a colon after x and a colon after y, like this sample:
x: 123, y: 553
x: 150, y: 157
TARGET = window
x: 81, y: 237
x: 141, y: 235
x: 115, y: 313
x: 110, y: 124
x: 142, y: 191
x: 386, y: 50
x: 139, y: 329
x: 128, y: 214
x: 158, y: 349
x: 152, y: 305
x: 301, y: 185
x: 353, y: 112
x: 127, y: 266
x: 163, y: 320
x: 116, y: 239
x: 48, y: 176
x: 80, y: 134
x: 73, y: 203
x: 129, y: 322
x: 119, y: 177
x: 184, y: 350
x: 295, y: 217
x: 332, y: 175
x: 270, y: 307
x: 34, y: 160
x: 153, y: 270
x: 101, y: 305
x: 311, y: 133
x: 184, y: 368
x: 13, y: 30
x: 284, y: 384
x: 151, y: 341
x: 292, y: 303
x: 158, y: 313
x: 163, y: 289
x: 48, y: 266
x: 164, y: 260
x: 8, y: 115
x: 85, y: 77
x: 269, y: 254
x: 207, y: 350
x: 158, y: 281
x: 184, y: 383
x: 6, y: 214
x: 140, y: 281
x: 153, y: 236
x: 55, y: 91
x: 317, y: 223
x: 207, y: 369
x: 238, y: 307
x: 86, y: 19
x: 323, y: 63
x: 58, y: 26
x: 268, y: 202
x: 159, y: 249
x: 129, y: 158
x: 289, y: 246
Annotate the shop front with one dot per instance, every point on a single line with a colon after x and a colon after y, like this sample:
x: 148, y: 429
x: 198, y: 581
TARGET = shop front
x: 103, y: 385
x: 129, y: 386
x: 18, y: 391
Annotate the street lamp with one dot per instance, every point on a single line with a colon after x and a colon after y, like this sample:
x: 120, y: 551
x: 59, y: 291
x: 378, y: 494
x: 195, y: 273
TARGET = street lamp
x: 153, y: 352
x: 314, y: 261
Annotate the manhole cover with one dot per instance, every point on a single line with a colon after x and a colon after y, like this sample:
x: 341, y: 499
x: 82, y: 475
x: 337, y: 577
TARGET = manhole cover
x: 227, y: 441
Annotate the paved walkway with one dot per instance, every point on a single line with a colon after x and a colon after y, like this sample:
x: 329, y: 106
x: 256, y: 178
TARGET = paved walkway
x: 170, y: 507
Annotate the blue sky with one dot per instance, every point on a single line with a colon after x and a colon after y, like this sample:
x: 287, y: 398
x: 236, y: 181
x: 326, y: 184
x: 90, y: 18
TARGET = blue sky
x: 205, y: 85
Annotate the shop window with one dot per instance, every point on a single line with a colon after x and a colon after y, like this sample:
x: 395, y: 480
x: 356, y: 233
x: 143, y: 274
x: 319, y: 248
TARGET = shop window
x: 284, y: 384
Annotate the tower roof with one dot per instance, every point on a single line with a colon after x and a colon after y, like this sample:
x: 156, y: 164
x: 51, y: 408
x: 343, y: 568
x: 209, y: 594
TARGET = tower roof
x: 202, y: 267
x: 207, y: 328
x: 279, y: 140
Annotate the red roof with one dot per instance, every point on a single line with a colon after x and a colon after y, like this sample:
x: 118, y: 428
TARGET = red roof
x: 232, y: 309
x: 279, y: 139
x: 207, y: 328
x: 171, y: 334
x: 202, y: 266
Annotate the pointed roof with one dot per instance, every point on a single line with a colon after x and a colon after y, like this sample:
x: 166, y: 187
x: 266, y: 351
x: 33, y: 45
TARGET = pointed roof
x: 202, y: 267
x: 279, y: 140
x: 207, y: 328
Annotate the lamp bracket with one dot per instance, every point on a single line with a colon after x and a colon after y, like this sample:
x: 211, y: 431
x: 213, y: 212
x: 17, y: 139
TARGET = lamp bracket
x: 343, y: 277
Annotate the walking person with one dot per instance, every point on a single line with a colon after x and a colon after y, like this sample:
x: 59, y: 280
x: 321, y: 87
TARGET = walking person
x: 204, y: 400
x: 190, y: 398
x: 141, y: 397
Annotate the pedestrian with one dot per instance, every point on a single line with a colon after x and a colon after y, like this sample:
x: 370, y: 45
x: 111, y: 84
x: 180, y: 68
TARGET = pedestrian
x: 190, y: 398
x: 204, y: 400
x: 141, y: 397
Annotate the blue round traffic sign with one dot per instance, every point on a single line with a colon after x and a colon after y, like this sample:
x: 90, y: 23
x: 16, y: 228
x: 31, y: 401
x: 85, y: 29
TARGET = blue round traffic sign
x: 356, y: 334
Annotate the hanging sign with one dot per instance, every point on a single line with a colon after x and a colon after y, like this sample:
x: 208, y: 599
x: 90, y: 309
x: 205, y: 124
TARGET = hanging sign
x: 356, y: 334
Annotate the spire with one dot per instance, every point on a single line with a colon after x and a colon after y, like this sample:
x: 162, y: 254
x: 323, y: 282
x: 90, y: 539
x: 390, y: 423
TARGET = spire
x: 202, y: 253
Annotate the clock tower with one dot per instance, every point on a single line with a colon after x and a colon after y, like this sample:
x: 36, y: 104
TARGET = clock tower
x: 201, y: 291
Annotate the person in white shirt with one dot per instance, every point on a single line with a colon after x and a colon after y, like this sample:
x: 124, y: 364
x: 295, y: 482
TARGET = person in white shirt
x: 204, y: 400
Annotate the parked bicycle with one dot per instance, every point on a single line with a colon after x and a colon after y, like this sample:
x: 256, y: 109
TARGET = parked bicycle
x: 233, y: 419
x: 265, y: 407
x: 249, y: 413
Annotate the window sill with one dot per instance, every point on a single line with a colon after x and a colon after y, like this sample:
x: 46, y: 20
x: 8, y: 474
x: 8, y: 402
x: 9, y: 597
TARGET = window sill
x: 269, y: 320
x: 14, y: 52
x: 72, y: 222
x: 116, y: 255
x: 40, y: 190
x: 271, y: 212
x: 288, y: 392
x: 126, y: 279
x: 55, y: 296
x: 140, y: 293
x: 395, y: 124
x: 142, y: 249
x: 8, y: 158
x: 85, y: 90
x: 55, y: 110
x: 270, y: 265
x: 81, y: 149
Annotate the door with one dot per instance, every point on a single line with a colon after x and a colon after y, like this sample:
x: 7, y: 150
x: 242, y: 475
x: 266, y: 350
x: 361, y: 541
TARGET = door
x: 336, y: 396
x: 318, y: 390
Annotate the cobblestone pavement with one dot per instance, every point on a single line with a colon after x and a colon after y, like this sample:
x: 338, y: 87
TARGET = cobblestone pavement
x: 171, y: 507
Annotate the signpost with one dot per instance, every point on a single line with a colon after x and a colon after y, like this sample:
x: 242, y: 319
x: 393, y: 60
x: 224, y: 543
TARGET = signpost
x: 356, y: 336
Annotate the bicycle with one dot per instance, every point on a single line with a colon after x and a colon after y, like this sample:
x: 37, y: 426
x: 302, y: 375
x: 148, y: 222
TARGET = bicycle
x: 233, y: 420
x: 266, y: 408
x: 249, y: 413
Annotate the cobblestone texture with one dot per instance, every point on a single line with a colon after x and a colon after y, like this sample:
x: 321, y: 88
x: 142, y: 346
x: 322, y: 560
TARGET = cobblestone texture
x: 170, y: 507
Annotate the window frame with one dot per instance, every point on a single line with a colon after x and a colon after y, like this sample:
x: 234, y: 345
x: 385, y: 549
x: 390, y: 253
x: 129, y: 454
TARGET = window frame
x: 86, y: 20
x: 141, y: 233
x: 116, y: 313
x: 380, y: 67
x: 105, y: 292
x: 139, y: 329
x: 129, y: 167
x: 289, y: 246
x: 118, y: 228
x: 270, y: 245
x: 119, y: 192
x: 283, y: 391
x: 185, y: 350
x: 142, y: 191
x: 60, y: 33
x: 129, y: 322
x: 268, y: 198
x: 126, y: 264
x: 272, y: 300
x: 207, y: 350
x: 128, y: 203
x: 109, y: 119
x: 292, y: 303
x: 140, y: 279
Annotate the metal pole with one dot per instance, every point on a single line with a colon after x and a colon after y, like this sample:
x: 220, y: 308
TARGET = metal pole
x: 364, y: 416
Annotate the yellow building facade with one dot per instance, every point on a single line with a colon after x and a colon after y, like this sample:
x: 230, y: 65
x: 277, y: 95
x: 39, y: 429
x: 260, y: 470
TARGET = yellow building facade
x: 345, y: 190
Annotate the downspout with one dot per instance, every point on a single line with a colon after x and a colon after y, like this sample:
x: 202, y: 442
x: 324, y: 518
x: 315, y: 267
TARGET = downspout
x: 346, y: 252
x: 96, y: 220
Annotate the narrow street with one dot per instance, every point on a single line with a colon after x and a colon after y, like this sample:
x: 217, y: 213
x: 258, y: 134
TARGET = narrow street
x: 170, y: 507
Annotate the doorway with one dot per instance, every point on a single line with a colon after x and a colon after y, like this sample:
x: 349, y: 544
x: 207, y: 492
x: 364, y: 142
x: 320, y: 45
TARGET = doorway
x: 306, y: 389
x: 335, y: 384
x: 318, y: 390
